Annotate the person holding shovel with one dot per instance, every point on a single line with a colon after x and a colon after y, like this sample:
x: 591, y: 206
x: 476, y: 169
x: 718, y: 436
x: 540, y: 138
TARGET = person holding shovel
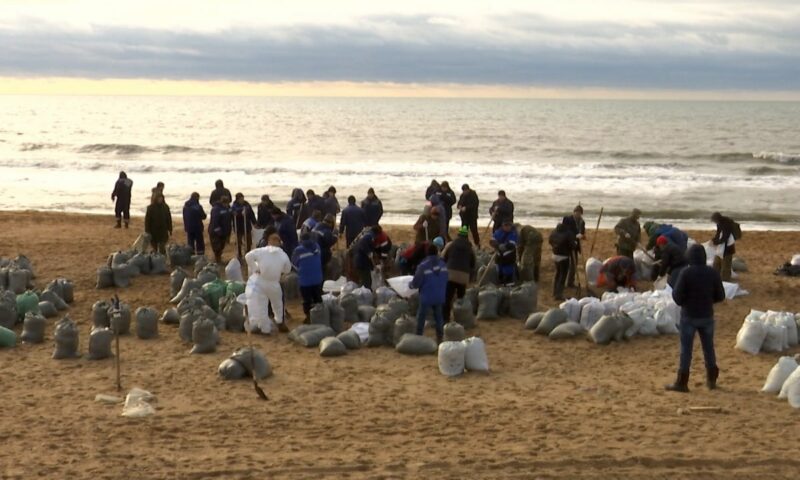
x: 629, y: 233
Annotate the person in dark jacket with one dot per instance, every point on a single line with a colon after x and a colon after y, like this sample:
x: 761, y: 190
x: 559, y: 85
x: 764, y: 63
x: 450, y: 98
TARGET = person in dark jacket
x: 326, y: 238
x: 311, y: 222
x: 219, y: 226
x: 619, y: 271
x: 295, y: 204
x: 432, y: 189
x: 628, y: 233
x: 437, y: 209
x: 670, y: 258
x: 697, y: 289
x: 264, y: 212
x: 431, y: 279
x: 460, y: 259
x: 673, y: 234
x: 447, y: 198
x: 286, y: 230
x: 332, y: 206
x: 193, y: 216
x: 122, y: 197
x: 725, y: 239
x: 562, y: 241
x: 468, y: 205
x: 577, y: 226
x: 158, y: 223
x: 505, y: 241
x: 501, y: 211
x: 157, y: 190
x: 307, y: 260
x: 245, y: 220
x: 373, y: 208
x: 353, y: 221
x: 427, y: 226
x: 362, y: 255
x: 219, y: 192
x: 313, y: 202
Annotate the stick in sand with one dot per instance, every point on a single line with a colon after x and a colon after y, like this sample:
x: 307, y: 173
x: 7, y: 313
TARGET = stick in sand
x: 261, y: 394
x: 115, y: 303
x: 596, y: 229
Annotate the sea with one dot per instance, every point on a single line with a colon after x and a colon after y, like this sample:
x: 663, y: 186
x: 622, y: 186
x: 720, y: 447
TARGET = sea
x: 676, y: 161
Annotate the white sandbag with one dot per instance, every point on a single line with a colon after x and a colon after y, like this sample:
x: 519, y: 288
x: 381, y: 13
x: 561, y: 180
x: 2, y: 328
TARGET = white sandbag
x: 452, y: 358
x: 778, y: 374
x: 644, y: 264
x: 785, y: 319
x: 751, y: 336
x: 233, y: 271
x: 329, y: 286
x: 566, y: 330
x: 573, y: 309
x: 401, y: 285
x: 796, y: 260
x: 331, y: 347
x: 475, y: 359
x: 591, y: 313
x: 775, y: 340
x: 733, y: 290
x: 593, y: 267
x: 362, y: 330
x: 666, y: 321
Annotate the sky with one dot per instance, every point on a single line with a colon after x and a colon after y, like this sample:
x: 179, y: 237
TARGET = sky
x: 503, y: 48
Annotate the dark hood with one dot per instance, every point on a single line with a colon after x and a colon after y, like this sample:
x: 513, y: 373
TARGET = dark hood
x: 309, y: 245
x: 696, y: 255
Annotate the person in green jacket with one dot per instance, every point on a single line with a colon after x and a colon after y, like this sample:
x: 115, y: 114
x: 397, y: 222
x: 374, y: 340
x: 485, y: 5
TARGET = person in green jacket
x: 158, y: 223
x: 629, y: 233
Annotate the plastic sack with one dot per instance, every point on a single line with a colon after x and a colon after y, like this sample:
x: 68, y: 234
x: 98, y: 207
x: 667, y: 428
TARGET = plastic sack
x: 146, y: 323
x: 233, y: 271
x: 644, y: 264
x: 171, y: 316
x: 606, y: 329
x: 100, y: 343
x: 350, y: 339
x: 33, y: 328
x: 336, y: 316
x: 331, y: 347
x: 230, y: 369
x: 533, y: 320
x: 233, y: 312
x: 7, y: 338
x: 380, y: 331
x: 383, y: 295
x: 751, y: 336
x: 212, y: 293
x: 475, y: 359
x: 18, y: 279
x: 463, y: 313
x: 452, y: 358
x: 253, y: 360
x: 8, y: 309
x: 488, y: 303
x: 778, y: 375
x: 120, y: 322
x: 401, y: 326
x: 27, y: 302
x: 401, y: 285
x: 319, y: 315
x: 52, y: 297
x: 176, y: 279
x: 775, y: 340
x: 361, y: 329
x: 795, y: 260
x: 573, y: 309
x: 47, y: 309
x: 412, y: 344
x: 121, y: 276
x: 364, y: 296
x: 566, y: 330
x: 188, y: 286
x: 787, y: 320
x: 591, y: 313
x: 365, y: 313
x: 105, y: 278
x: 453, y: 332
x: 523, y: 301
x: 310, y: 335
x: 593, y: 267
x: 349, y: 304
x: 204, y: 336
x: 179, y: 255
x: 138, y: 404
x: 329, y: 286
x: 66, y: 339
x: 551, y: 319
x: 158, y: 264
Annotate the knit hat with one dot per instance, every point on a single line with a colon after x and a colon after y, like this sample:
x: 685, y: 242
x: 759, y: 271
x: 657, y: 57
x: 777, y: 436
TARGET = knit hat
x: 662, y: 240
x: 463, y: 231
x: 439, y: 242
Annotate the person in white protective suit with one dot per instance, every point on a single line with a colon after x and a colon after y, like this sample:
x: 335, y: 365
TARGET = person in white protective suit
x: 263, y: 289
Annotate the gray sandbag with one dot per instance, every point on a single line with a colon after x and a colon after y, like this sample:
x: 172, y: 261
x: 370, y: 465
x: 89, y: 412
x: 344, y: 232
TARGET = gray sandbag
x: 311, y: 338
x: 488, y: 303
x: 121, y: 276
x: 380, y: 331
x: 105, y: 277
x: 566, y: 330
x: 491, y: 276
x: 18, y: 279
x: 208, y: 274
x: 350, y: 339
x: 336, y: 316
x: 383, y: 295
x: 219, y: 320
x: 504, y: 305
x: 552, y: 318
x: 204, y: 336
x: 25, y: 264
x: 413, y: 303
x: 349, y: 304
x: 606, y: 329
x: 141, y: 263
x: 100, y: 314
x: 402, y: 325
x: 454, y: 332
x: 365, y: 313
x: 189, y: 285
x: 463, y: 313
x: 533, y: 321
x: 120, y: 322
x: 8, y: 309
x: 319, y: 315
x: 176, y: 279
x: 252, y: 359
x: 399, y: 305
x: 522, y: 301
x: 158, y: 264
x: 68, y: 288
x: 230, y: 369
x: 56, y: 287
x: 3, y: 277
x: 291, y: 286
x: 100, y: 343
x: 171, y: 316
x: 471, y: 294
x: 333, y: 270
x: 200, y: 262
x: 186, y: 324
x: 50, y: 295
x: 179, y: 255
x: 411, y: 344
x: 66, y: 339
x: 194, y: 301
x: 233, y: 312
x: 48, y: 309
x: 331, y: 347
x: 118, y: 258
x: 294, y: 335
x: 738, y: 265
x: 146, y: 323
x: 33, y: 328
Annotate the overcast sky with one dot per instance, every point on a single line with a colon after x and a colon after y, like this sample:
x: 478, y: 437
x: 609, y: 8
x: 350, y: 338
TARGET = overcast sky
x: 630, y: 44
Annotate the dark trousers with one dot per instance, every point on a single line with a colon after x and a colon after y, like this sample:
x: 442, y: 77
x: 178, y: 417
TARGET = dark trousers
x: 705, y: 328
x: 159, y: 247
x: 312, y: 295
x: 472, y: 224
x: 244, y: 239
x: 625, y: 252
x: 365, y: 277
x: 196, y: 241
x: 122, y: 211
x: 422, y: 312
x: 560, y: 278
x: 218, y: 246
x: 573, y: 263
x: 453, y: 289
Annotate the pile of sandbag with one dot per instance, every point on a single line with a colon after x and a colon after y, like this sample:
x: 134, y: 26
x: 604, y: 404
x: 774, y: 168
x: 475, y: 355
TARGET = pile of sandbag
x: 16, y: 274
x: 179, y: 255
x: 768, y: 331
x: 456, y: 357
x: 244, y: 363
x: 122, y: 266
x: 784, y: 379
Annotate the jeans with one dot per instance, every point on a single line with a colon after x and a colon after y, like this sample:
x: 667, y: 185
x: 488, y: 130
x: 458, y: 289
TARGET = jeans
x: 453, y: 289
x: 437, y: 315
x: 560, y: 278
x: 196, y: 242
x: 705, y: 328
x: 311, y: 294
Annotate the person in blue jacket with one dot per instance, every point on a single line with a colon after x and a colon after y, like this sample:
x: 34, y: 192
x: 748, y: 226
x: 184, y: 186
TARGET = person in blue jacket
x: 673, y: 234
x: 307, y: 260
x: 431, y: 279
x: 220, y: 226
x: 504, y: 240
x: 353, y: 221
x: 326, y: 237
x: 193, y: 216
x: 286, y: 230
x: 363, y: 249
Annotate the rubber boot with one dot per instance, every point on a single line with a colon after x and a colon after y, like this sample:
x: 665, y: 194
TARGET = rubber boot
x: 681, y: 383
x: 119, y: 224
x: 126, y: 224
x: 711, y: 378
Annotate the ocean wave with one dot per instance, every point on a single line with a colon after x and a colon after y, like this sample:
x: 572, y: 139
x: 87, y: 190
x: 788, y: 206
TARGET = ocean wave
x: 31, y: 147
x: 133, y: 149
x: 767, y: 171
x: 778, y: 158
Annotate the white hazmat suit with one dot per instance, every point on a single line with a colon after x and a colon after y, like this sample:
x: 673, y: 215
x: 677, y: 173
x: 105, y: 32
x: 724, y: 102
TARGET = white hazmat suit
x: 264, y: 285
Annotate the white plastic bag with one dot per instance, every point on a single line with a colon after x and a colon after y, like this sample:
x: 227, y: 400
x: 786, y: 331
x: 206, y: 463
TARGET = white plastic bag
x: 751, y: 336
x: 330, y: 286
x: 778, y: 375
x: 401, y: 285
x: 775, y: 340
x: 591, y: 313
x: 796, y: 260
x: 452, y: 358
x: 792, y: 379
x: 233, y: 271
x: 593, y: 267
x: 138, y: 404
x: 475, y: 359
x: 362, y: 330
x: 573, y: 309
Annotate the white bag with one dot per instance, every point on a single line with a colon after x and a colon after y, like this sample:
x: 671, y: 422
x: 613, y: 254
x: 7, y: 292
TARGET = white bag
x: 401, y: 285
x: 796, y: 260
x: 778, y: 375
x: 233, y: 271
x: 573, y: 309
x: 591, y: 313
x: 751, y: 336
x: 362, y: 330
x: 138, y: 404
x: 330, y: 286
x: 452, y: 357
x: 593, y: 267
x: 775, y: 339
x: 787, y: 320
x: 475, y: 359
x: 792, y: 379
x: 644, y: 264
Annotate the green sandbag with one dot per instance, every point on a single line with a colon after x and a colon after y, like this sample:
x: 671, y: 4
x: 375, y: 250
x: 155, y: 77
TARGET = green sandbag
x: 213, y: 291
x: 27, y: 302
x: 237, y: 288
x: 7, y: 337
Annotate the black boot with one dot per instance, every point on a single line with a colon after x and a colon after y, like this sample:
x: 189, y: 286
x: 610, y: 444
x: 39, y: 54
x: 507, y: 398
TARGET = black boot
x: 681, y: 383
x: 126, y: 224
x: 711, y: 378
x: 119, y: 224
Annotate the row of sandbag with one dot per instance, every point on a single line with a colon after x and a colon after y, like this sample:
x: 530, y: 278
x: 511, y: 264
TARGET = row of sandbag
x: 768, y: 331
x: 54, y: 298
x: 122, y: 266
x: 557, y: 325
x: 784, y: 379
x: 16, y: 274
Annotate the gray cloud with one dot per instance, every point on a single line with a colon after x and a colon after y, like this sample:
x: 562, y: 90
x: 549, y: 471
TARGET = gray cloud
x: 754, y: 53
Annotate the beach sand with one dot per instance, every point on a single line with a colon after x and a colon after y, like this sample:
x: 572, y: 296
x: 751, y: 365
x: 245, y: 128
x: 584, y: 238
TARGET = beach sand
x: 567, y: 409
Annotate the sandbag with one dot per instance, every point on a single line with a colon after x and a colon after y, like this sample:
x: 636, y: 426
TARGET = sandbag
x: 778, y: 374
x: 253, y: 359
x: 488, y: 277
x: 233, y: 311
x: 47, y: 309
x: 488, y: 304
x: 186, y: 324
x: 591, y: 313
x: 573, y: 309
x: 552, y: 318
x: 18, y: 280
x: 523, y: 301
x: 121, y: 276
x: 8, y: 309
x: 291, y: 286
x: 402, y: 325
x: 118, y: 258
x: 319, y: 315
x: 55, y: 287
x: 24, y: 263
x: 349, y: 304
x: 453, y: 332
x: 204, y: 336
x: 179, y: 255
x: 146, y: 323
x: 230, y: 369
x: 566, y: 330
x: 52, y: 297
x: 365, y: 313
x: 667, y: 318
x: 775, y: 340
x: 606, y: 329
x: 463, y: 313
x: 331, y: 347
x: 471, y: 294
x: 399, y: 306
x: 212, y: 292
x: 27, y: 302
x: 336, y: 316
x: 105, y: 278
x: 233, y: 270
x: 68, y: 289
x: 100, y: 343
x: 310, y: 335
x: 412, y: 344
x: 171, y: 317
x: 200, y: 262
x: 738, y: 265
x: 66, y: 339
x: 176, y: 279
x: 364, y: 296
x: 593, y: 267
x: 158, y: 264
x: 383, y: 295
x: 785, y: 319
x: 452, y: 356
x: 187, y: 287
x: 120, y: 321
x: 207, y: 274
x: 475, y: 359
x: 350, y: 339
x: 141, y: 263
x: 380, y: 331
x: 504, y: 304
x: 8, y: 338
x: 33, y: 328
x: 533, y: 321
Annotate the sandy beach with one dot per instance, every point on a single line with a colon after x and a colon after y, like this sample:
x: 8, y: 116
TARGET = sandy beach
x: 567, y: 409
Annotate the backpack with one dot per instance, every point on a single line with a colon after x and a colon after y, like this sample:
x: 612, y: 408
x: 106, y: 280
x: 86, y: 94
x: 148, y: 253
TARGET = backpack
x: 736, y: 231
